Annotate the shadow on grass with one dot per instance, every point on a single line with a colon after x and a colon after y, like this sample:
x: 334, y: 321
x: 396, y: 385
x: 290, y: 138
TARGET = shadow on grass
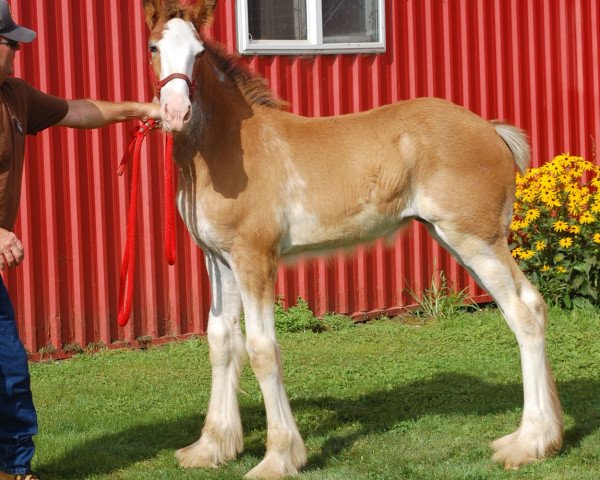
x: 377, y: 412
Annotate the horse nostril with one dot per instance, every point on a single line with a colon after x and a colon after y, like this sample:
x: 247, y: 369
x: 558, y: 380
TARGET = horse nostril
x: 188, y: 114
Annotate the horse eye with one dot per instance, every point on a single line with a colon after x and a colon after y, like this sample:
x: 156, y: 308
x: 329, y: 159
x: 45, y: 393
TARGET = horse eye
x: 153, y: 48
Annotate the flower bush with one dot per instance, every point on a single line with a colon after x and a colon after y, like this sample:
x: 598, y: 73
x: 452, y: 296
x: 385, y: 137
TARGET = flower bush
x: 555, y: 232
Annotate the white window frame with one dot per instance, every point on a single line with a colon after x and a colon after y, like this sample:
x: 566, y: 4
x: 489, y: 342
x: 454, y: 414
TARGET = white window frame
x: 314, y: 43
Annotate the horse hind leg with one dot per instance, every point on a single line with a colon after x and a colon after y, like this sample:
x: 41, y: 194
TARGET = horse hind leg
x: 540, y: 432
x: 221, y: 438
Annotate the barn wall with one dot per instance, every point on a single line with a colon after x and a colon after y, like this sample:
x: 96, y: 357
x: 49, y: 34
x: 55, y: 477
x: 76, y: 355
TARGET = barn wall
x: 534, y: 63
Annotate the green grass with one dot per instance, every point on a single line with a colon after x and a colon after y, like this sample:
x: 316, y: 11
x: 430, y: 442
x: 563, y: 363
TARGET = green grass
x: 383, y: 400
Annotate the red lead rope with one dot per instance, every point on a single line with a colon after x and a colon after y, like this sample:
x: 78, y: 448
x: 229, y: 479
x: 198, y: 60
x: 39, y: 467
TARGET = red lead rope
x: 126, y: 280
x: 169, y: 202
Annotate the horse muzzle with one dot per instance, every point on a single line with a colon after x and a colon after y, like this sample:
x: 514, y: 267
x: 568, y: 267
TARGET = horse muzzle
x: 175, y: 107
x: 175, y: 112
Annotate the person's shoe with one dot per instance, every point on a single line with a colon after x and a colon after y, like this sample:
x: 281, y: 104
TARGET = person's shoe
x: 19, y: 476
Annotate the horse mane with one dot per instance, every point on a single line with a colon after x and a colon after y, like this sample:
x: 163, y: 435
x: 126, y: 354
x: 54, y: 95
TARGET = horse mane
x: 253, y: 87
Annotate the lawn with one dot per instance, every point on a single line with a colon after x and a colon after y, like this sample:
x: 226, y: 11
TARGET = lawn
x: 384, y: 400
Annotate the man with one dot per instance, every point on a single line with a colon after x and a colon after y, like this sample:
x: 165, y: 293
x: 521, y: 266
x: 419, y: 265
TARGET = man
x: 25, y: 110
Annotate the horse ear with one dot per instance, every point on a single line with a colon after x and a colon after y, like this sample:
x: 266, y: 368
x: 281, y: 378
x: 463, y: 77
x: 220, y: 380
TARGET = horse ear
x: 201, y: 12
x: 151, y: 11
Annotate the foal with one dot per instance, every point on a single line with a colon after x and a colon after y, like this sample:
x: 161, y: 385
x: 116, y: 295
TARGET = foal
x: 257, y: 184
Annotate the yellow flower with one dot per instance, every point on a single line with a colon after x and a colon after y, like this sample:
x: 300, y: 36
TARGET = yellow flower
x: 554, y: 166
x: 596, y: 238
x: 586, y: 217
x: 586, y: 166
x: 566, y: 242
x: 575, y: 208
x: 540, y: 245
x: 532, y: 214
x: 526, y: 254
x: 531, y: 173
x: 560, y: 226
x: 550, y: 199
x: 560, y: 269
x: 528, y: 196
x: 575, y: 173
x: 517, y: 252
x: 547, y: 181
x: 518, y: 196
x: 575, y: 229
x: 564, y: 179
x: 515, y: 226
x: 545, y: 268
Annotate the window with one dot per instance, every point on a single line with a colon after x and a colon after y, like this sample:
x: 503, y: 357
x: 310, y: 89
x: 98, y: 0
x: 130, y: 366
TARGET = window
x: 310, y: 26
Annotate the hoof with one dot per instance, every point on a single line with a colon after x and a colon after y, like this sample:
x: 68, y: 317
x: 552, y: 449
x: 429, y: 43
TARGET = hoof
x: 274, y: 466
x: 193, y: 457
x: 210, y: 451
x: 521, y: 448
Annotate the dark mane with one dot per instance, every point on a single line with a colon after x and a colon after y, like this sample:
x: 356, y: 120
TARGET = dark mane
x: 253, y: 87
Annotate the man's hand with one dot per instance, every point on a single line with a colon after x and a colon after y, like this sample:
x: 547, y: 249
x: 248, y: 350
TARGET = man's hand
x: 11, y: 250
x: 152, y: 110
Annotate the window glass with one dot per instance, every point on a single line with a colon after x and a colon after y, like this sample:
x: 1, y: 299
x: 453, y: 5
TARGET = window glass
x: 350, y: 21
x: 277, y: 19
x: 295, y: 27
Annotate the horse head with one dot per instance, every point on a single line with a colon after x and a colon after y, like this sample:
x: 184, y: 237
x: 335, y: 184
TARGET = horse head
x: 174, y: 46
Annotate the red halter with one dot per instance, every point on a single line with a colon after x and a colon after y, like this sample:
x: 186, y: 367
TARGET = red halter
x: 161, y: 83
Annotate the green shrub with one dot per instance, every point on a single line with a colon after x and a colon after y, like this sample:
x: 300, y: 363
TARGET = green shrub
x: 298, y: 318
x: 555, y: 232
x: 334, y: 322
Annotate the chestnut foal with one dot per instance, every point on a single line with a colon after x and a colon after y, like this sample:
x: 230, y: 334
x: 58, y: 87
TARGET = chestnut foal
x: 257, y: 184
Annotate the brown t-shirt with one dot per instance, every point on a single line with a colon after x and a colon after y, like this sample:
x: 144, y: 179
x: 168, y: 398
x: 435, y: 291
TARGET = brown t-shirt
x: 23, y: 111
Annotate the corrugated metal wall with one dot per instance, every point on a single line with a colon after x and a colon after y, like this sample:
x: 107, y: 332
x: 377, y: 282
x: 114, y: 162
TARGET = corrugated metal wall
x: 535, y: 63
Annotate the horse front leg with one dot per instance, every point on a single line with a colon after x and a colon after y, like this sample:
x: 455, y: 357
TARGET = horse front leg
x: 285, y: 449
x: 221, y: 438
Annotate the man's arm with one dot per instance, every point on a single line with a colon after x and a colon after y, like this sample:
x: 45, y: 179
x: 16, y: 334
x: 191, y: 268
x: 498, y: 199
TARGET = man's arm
x: 96, y: 113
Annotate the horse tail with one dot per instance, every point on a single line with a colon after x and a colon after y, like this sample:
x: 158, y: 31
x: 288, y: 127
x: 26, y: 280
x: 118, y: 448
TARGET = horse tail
x: 516, y: 140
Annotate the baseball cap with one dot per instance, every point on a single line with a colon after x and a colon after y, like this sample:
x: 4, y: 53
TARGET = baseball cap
x: 9, y: 29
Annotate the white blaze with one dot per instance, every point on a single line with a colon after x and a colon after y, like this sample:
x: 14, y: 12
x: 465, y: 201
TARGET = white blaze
x: 178, y: 49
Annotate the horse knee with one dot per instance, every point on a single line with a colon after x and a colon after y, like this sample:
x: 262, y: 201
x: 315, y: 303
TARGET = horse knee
x: 216, y: 330
x: 223, y: 340
x: 263, y: 353
x: 524, y: 324
x: 534, y: 301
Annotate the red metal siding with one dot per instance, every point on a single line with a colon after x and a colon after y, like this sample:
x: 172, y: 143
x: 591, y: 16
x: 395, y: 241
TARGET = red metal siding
x: 534, y: 63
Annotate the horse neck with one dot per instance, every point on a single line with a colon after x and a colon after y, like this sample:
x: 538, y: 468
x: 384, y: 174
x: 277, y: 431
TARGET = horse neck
x: 218, y: 109
x: 209, y: 151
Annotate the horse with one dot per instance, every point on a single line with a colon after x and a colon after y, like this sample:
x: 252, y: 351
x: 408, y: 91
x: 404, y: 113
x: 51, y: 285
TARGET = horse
x: 258, y: 184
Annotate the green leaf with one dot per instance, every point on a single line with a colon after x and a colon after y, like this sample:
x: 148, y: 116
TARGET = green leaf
x: 584, y: 267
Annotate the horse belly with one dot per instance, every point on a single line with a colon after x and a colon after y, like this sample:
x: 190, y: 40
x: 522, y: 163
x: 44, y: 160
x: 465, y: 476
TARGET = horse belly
x: 308, y: 233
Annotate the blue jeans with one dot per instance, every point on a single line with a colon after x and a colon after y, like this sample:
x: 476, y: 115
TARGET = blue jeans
x: 18, y: 420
